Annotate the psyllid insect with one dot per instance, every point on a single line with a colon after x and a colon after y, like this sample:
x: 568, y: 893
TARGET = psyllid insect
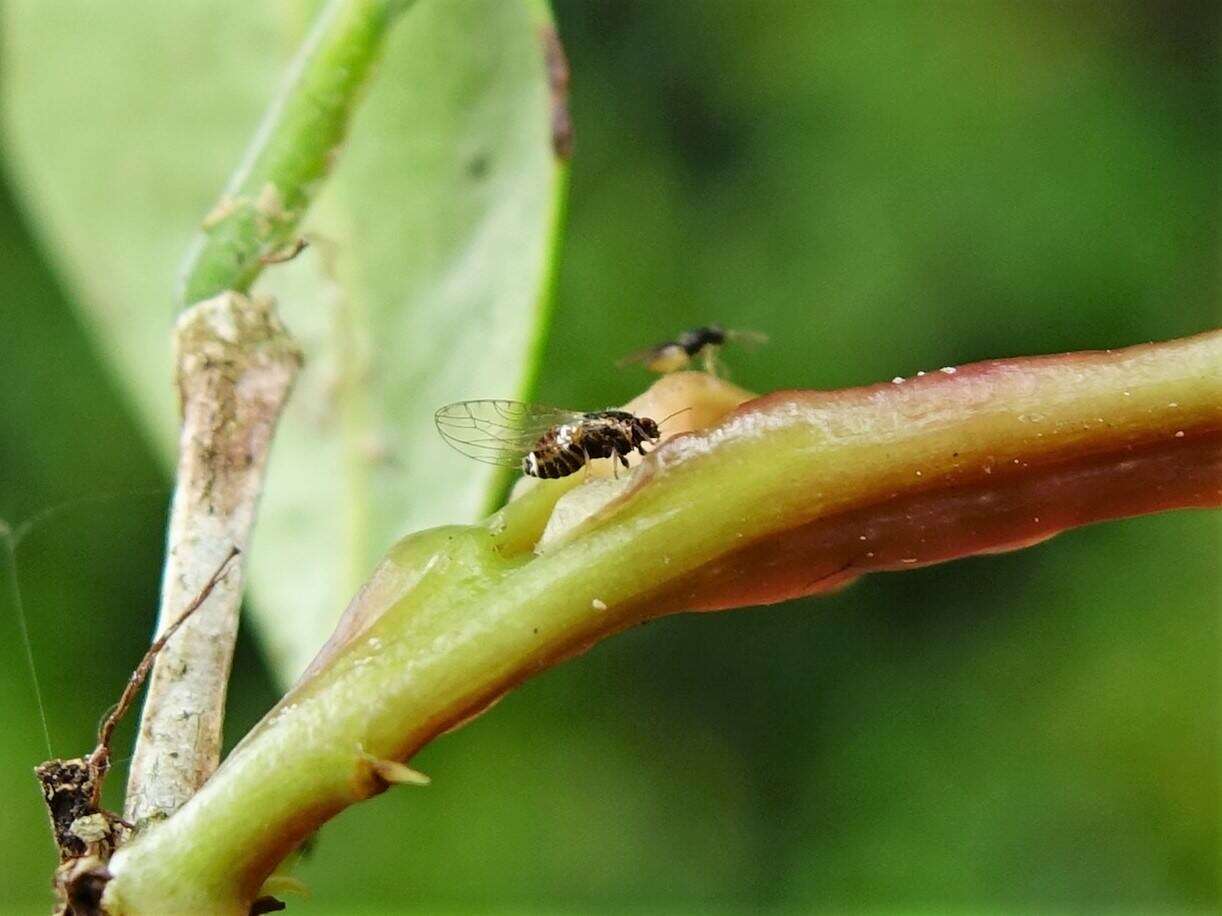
x: 566, y: 448
x: 705, y: 342
x: 542, y: 441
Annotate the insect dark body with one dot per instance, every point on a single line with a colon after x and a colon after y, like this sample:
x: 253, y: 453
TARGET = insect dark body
x: 565, y: 449
x: 542, y: 441
x: 695, y: 340
x: 703, y: 342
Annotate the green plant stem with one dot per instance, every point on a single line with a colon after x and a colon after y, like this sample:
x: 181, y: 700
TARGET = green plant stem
x: 790, y: 494
x: 293, y: 150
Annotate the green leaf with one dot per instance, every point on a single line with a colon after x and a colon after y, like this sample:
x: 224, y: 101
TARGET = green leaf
x: 427, y: 279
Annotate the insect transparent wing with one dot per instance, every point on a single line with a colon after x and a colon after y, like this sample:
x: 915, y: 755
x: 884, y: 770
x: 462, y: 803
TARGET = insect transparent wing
x: 749, y: 339
x: 497, y: 432
x: 638, y: 356
x: 665, y: 357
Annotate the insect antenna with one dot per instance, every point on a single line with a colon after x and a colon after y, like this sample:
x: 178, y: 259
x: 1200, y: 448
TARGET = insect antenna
x: 671, y: 416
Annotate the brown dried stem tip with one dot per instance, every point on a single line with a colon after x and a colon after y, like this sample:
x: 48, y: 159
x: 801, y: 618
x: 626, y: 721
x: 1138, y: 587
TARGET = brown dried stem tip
x: 86, y: 834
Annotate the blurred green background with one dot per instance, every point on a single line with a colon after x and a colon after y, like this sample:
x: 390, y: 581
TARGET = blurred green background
x: 882, y: 188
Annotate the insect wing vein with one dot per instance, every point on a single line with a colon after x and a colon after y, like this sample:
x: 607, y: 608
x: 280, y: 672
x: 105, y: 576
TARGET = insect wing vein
x: 497, y: 432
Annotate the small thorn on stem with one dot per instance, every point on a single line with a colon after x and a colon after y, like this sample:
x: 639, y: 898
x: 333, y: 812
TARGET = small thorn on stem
x: 399, y: 774
x: 280, y: 884
x: 395, y: 773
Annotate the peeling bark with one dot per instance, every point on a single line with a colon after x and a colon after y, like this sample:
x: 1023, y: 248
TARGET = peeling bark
x: 235, y: 368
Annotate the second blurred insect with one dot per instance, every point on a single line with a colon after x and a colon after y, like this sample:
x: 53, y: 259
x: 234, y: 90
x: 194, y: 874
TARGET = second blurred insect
x: 705, y: 342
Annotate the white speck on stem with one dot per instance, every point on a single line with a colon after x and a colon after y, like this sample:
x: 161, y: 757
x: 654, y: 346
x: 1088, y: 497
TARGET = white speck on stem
x: 598, y: 604
x: 949, y: 370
